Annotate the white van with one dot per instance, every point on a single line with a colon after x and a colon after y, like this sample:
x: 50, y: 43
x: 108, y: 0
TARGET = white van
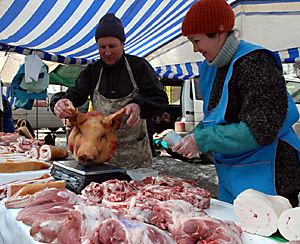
x: 40, y: 116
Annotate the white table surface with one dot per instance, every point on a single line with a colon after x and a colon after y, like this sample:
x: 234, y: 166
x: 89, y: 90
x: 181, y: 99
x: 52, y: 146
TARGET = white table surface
x: 15, y: 232
x: 7, y: 177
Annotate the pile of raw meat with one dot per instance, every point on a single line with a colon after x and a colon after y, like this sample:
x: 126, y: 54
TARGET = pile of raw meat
x: 155, y: 210
x: 13, y: 142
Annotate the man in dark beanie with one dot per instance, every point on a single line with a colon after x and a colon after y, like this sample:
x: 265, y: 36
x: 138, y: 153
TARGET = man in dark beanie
x: 117, y: 81
x: 110, y: 25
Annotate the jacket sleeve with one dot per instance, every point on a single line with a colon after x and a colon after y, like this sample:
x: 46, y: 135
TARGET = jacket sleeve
x: 152, y: 99
x: 55, y: 98
x: 264, y: 95
x: 227, y: 139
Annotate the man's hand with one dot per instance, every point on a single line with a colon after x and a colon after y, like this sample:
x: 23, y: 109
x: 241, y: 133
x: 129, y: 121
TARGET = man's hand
x: 133, y: 110
x: 187, y: 147
x: 64, y: 108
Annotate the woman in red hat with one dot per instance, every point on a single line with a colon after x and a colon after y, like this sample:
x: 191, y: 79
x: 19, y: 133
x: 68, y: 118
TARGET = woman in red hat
x: 248, y: 113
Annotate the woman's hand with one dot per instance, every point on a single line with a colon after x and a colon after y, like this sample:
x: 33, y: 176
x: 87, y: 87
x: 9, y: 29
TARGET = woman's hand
x: 64, y: 108
x: 133, y: 110
x: 187, y: 147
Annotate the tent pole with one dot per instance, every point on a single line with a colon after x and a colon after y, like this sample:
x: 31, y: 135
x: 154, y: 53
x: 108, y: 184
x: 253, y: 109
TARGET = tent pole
x: 37, y: 121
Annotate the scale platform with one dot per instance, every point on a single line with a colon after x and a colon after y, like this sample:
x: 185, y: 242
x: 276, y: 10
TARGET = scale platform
x: 77, y: 177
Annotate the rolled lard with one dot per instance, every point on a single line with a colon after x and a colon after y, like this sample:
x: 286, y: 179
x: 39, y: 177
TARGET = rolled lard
x: 34, y: 152
x: 258, y: 213
x: 289, y: 224
x: 48, y: 152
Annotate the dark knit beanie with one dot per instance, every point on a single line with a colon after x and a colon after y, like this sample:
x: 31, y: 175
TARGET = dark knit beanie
x: 208, y: 16
x: 110, y: 25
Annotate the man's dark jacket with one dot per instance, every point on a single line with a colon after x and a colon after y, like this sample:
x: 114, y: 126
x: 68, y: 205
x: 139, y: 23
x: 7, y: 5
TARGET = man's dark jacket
x: 115, y: 83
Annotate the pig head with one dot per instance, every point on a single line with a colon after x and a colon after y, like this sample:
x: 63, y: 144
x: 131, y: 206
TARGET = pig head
x: 92, y: 139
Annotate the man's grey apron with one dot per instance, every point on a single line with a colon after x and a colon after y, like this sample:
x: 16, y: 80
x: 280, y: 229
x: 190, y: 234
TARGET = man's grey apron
x: 133, y: 149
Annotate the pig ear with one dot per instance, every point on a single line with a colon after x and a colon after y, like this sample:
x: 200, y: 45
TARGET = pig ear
x: 79, y: 119
x: 114, y: 120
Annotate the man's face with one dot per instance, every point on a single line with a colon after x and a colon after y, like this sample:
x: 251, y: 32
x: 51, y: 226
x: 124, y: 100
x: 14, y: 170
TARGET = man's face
x: 110, y: 49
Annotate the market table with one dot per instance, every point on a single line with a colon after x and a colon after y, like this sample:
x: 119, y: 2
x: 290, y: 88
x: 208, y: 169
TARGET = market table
x: 13, y: 231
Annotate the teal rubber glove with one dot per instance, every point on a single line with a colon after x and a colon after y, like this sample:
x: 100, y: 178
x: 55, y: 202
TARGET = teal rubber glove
x: 227, y: 139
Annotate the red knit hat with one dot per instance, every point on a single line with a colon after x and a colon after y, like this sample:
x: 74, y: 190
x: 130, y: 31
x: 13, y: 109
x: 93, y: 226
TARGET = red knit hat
x: 208, y: 16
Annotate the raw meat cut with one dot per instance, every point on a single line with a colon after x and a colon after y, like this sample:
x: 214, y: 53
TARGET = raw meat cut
x: 197, y: 196
x: 205, y: 229
x: 258, y: 213
x: 168, y: 188
x: 164, y: 181
x: 164, y: 214
x: 48, y: 195
x: 289, y: 224
x: 45, y: 229
x: 92, y: 139
x: 111, y: 190
x: 63, y: 228
x: 7, y: 138
x: 141, y: 208
x: 129, y: 232
x: 92, y: 217
x: 41, y: 212
x: 70, y: 231
x: 27, y: 193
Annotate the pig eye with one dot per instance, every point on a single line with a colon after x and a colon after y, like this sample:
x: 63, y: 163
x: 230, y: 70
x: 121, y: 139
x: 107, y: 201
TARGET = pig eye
x: 103, y: 137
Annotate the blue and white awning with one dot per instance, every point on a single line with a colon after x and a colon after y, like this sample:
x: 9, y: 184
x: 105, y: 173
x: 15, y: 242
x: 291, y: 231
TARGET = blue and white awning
x: 63, y: 30
x: 191, y: 69
x: 66, y: 28
x: 45, y: 55
x: 290, y: 55
x: 179, y: 71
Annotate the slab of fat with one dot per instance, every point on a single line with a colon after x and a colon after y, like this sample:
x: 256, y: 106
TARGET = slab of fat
x: 258, y: 213
x: 289, y: 224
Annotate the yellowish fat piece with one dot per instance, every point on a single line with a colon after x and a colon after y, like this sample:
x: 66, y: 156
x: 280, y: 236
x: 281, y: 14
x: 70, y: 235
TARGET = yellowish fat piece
x: 16, y: 166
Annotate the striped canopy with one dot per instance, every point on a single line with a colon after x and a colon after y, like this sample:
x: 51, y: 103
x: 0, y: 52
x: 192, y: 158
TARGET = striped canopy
x: 63, y: 30
x: 66, y: 28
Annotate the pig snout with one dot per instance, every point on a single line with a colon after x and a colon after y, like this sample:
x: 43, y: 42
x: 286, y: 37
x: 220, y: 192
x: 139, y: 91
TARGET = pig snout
x: 85, y: 158
x: 88, y: 155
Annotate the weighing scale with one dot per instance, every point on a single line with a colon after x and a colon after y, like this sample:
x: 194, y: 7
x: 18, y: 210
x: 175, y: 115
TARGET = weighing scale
x: 77, y: 177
